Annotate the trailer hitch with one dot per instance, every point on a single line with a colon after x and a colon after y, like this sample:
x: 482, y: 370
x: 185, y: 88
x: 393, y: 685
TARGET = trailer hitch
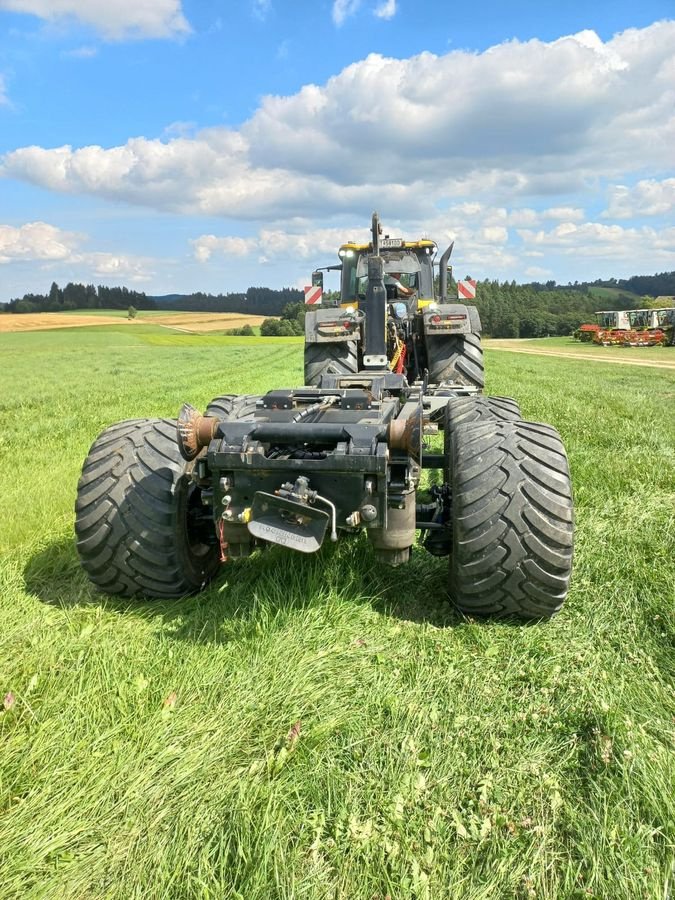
x: 288, y: 517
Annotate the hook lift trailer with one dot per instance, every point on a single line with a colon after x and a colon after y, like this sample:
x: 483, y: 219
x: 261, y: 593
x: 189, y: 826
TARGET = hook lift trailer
x: 161, y: 503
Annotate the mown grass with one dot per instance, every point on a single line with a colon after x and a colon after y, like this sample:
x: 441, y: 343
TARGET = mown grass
x: 149, y: 749
x: 568, y: 345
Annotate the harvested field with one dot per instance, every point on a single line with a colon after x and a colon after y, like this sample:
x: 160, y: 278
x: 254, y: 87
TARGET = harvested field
x: 191, y: 322
x: 47, y: 321
x: 202, y: 322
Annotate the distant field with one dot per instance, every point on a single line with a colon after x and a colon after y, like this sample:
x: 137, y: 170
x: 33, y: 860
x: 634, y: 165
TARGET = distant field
x: 607, y: 293
x: 439, y: 758
x: 181, y: 321
x: 662, y: 357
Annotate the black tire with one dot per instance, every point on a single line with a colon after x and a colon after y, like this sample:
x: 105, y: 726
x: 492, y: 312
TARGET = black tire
x: 137, y: 514
x: 512, y: 518
x: 456, y: 359
x: 339, y: 358
x: 475, y: 410
x: 232, y: 406
x: 478, y: 409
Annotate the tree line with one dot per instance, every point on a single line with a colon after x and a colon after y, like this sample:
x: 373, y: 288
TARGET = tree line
x: 79, y: 296
x: 507, y: 309
x: 258, y: 301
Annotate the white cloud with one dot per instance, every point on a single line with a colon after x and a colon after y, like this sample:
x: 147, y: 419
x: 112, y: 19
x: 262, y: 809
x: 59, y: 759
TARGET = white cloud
x: 609, y: 242
x: 537, y: 272
x: 36, y: 241
x: 114, y: 20
x: 208, y: 244
x: 568, y: 213
x: 647, y: 198
x: 39, y: 242
x: 4, y: 99
x: 117, y: 267
x: 533, y: 134
x: 495, y: 234
x: 528, y: 120
x: 385, y: 10
x: 342, y: 9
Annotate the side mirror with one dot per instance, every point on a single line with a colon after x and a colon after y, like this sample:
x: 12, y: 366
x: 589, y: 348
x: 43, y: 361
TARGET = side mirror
x: 317, y: 279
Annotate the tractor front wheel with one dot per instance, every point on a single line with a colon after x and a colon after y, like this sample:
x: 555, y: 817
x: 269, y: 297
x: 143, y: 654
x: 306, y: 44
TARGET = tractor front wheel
x: 512, y: 519
x: 140, y: 525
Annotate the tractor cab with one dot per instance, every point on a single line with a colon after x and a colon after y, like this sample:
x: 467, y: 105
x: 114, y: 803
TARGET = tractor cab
x: 408, y: 271
x: 665, y: 317
x: 642, y: 318
x: 610, y: 319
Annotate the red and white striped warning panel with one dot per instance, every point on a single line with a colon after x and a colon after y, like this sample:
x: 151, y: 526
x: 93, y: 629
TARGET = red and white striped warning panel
x: 313, y: 294
x: 466, y: 290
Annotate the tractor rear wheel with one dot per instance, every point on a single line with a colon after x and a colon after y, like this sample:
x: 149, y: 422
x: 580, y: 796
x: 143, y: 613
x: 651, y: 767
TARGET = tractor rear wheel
x: 512, y: 519
x: 139, y: 521
x: 338, y: 358
x: 456, y: 359
x: 232, y: 406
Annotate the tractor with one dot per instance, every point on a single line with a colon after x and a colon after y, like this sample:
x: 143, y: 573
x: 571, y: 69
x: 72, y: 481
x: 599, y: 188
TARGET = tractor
x: 163, y: 503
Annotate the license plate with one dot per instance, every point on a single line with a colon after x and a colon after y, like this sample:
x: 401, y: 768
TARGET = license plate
x: 388, y: 243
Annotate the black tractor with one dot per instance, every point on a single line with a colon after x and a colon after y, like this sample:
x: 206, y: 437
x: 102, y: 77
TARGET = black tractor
x: 163, y: 503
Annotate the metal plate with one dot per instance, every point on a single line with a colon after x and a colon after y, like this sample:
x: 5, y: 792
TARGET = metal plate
x: 285, y: 522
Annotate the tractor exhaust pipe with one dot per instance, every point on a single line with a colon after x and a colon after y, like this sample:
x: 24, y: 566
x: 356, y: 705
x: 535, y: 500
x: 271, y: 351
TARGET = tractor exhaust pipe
x: 443, y: 274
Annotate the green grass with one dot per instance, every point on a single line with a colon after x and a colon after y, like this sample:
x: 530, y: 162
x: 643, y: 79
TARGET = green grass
x: 568, y: 345
x: 146, y: 752
x: 607, y: 293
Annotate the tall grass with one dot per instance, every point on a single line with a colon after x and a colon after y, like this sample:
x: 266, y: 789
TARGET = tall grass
x: 322, y: 727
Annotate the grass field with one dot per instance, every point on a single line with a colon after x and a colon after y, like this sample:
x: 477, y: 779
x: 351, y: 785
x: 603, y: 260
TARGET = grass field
x: 148, y: 749
x: 564, y: 345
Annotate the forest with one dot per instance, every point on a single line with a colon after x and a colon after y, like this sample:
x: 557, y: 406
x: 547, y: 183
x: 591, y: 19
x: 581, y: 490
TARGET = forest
x: 507, y: 309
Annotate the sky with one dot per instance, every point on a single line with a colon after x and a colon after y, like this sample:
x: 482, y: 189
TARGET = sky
x: 210, y: 145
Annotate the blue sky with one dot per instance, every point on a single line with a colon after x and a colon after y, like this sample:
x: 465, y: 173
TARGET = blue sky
x: 179, y: 146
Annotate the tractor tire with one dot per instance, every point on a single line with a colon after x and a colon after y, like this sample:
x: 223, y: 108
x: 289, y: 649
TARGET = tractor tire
x: 512, y: 520
x: 137, y: 515
x: 339, y: 358
x: 232, y: 406
x: 479, y: 409
x: 476, y: 410
x: 456, y: 359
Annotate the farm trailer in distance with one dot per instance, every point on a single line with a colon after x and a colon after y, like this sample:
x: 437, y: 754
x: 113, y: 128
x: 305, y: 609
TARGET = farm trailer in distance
x: 630, y: 328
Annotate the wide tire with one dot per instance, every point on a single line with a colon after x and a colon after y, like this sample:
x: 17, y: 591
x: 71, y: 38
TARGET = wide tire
x: 138, y: 517
x: 479, y: 409
x: 476, y: 410
x: 512, y: 519
x: 339, y: 358
x: 232, y: 406
x: 456, y: 359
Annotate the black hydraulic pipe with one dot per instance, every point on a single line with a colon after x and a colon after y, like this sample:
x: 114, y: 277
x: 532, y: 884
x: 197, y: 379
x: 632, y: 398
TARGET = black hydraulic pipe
x: 376, y: 316
x: 443, y: 274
